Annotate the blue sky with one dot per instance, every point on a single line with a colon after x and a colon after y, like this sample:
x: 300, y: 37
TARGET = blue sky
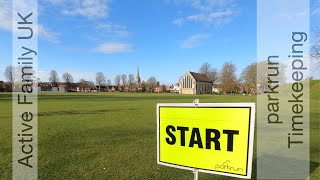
x: 165, y: 38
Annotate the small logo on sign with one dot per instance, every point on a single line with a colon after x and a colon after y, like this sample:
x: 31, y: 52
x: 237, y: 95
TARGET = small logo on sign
x: 227, y: 166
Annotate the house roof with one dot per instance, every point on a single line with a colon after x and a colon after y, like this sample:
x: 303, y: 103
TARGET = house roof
x: 200, y: 77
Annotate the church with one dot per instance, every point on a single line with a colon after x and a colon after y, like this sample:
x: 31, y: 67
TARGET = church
x: 195, y: 83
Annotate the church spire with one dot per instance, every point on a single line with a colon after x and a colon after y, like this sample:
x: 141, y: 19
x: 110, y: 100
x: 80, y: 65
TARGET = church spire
x: 138, y: 79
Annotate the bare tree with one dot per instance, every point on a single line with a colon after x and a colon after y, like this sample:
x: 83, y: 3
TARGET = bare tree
x: 54, y: 78
x: 10, y: 74
x: 67, y: 77
x: 228, y: 79
x: 315, y: 49
x: 117, y: 80
x: 130, y: 81
x: 262, y: 75
x: 248, y: 79
x: 205, y: 68
x: 151, y: 83
x: 143, y: 86
x: 86, y: 85
x: 100, y: 79
x: 109, y: 82
x: 124, y: 79
x: 83, y: 81
x: 212, y: 73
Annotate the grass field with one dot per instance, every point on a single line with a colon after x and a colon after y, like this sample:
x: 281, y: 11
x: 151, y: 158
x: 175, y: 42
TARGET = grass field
x: 112, y: 135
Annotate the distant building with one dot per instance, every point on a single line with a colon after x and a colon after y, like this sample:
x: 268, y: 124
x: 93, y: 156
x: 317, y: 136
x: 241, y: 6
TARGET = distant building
x: 159, y: 89
x: 2, y: 87
x: 174, y: 88
x: 195, y: 83
x: 63, y: 87
x: 216, y: 89
x: 102, y: 88
x: 46, y: 87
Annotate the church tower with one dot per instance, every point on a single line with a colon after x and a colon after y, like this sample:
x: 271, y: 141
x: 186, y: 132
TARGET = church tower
x: 138, y: 79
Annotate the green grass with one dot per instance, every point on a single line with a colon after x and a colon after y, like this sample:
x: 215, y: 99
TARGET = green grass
x: 111, y: 135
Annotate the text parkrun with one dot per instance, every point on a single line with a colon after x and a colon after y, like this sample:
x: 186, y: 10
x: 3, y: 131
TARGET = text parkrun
x: 297, y: 97
x: 226, y: 166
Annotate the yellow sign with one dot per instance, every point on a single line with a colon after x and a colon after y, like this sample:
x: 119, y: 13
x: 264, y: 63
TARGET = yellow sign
x: 213, y: 138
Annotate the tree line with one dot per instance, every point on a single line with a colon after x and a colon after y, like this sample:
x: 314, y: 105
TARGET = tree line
x: 123, y: 80
x: 227, y: 81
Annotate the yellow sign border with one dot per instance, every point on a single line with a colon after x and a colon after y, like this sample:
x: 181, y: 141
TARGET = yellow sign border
x: 212, y: 105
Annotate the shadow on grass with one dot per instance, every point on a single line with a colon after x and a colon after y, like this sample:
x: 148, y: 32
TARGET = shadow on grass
x: 133, y: 96
x: 73, y: 112
x: 313, y: 166
x: 110, y: 97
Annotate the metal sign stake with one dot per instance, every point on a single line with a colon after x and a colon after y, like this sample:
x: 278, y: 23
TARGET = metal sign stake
x: 195, y: 171
x: 196, y: 101
x: 195, y: 174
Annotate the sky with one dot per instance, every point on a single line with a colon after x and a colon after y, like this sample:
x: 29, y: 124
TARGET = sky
x: 165, y: 38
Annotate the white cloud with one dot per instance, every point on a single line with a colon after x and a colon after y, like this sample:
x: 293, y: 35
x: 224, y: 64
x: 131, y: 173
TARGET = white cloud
x: 96, y: 11
x: 215, y: 12
x: 5, y: 15
x: 208, y: 5
x: 114, y: 47
x: 47, y: 34
x: 212, y: 17
x: 315, y: 12
x: 85, y: 8
x: 56, y: 1
x: 315, y: 8
x: 110, y: 29
x: 6, y: 22
x: 194, y: 40
x: 178, y: 21
x: 201, y: 4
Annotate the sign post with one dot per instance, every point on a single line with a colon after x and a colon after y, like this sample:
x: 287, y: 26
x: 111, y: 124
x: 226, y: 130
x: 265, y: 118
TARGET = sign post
x: 195, y: 171
x: 195, y: 174
x: 212, y: 138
